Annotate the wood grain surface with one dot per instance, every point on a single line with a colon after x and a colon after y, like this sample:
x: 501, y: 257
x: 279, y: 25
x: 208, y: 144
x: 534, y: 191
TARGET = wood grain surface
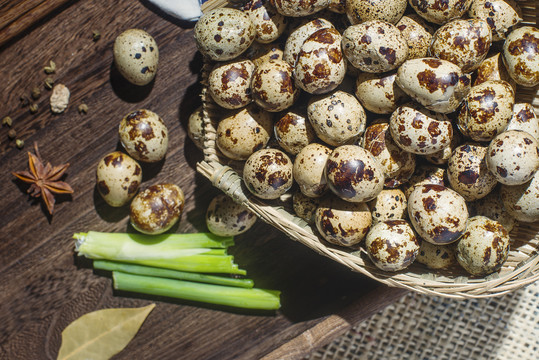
x: 44, y: 286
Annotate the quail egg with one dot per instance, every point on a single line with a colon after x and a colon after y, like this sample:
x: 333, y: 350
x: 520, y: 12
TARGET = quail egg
x: 229, y: 84
x: 437, y: 256
x: 259, y: 53
x: 337, y: 6
x: 268, y: 173
x: 525, y: 119
x: 309, y: 168
x: 513, y: 157
x: 442, y: 157
x: 486, y: 110
x: 337, y: 118
x: 353, y: 174
x: 297, y: 8
x: 437, y: 213
x: 492, y: 207
x: 484, y: 246
x: 492, y: 68
x: 342, y: 223
x: 136, y: 56
x: 521, y: 55
x: 440, y: 12
x: 195, y: 127
x: 379, y: 93
x: 304, y: 206
x: 244, y: 132
x: 390, y: 204
x: 273, y: 86
x: 293, y: 131
x: 418, y: 35
x: 118, y: 178
x: 224, y: 33
x: 501, y: 15
x: 468, y: 174
x: 522, y: 201
x: 269, y: 24
x: 297, y: 37
x: 224, y: 217
x: 392, y: 245
x: 144, y: 135
x: 157, y: 208
x: 359, y: 11
x: 423, y: 175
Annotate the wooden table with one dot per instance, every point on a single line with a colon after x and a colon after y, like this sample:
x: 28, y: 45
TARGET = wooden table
x: 44, y: 286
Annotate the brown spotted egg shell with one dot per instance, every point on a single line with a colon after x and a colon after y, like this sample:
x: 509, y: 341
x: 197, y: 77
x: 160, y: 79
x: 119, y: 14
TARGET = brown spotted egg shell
x: 224, y: 217
x: 437, y: 213
x: 244, y: 132
x: 463, y: 42
x: 342, y: 223
x: 195, y: 127
x: 297, y: 8
x: 224, y: 33
x: 136, y: 56
x: 424, y: 174
x: 397, y: 164
x: 269, y: 24
x: 439, y: 85
x: 513, y: 157
x: 442, y: 157
x: 337, y: 6
x: 525, y: 119
x: 273, y: 86
x: 420, y: 131
x: 144, y: 135
x: 293, y: 132
x: 492, y: 207
x: 229, y: 84
x: 418, y: 35
x: 521, y: 55
x: 268, y: 173
x: 297, y: 37
x: 259, y: 53
x: 359, y: 11
x: 492, y: 68
x: 379, y: 93
x: 320, y: 66
x: 305, y: 206
x: 440, y: 11
x: 437, y: 256
x: 353, y: 174
x: 118, y: 178
x: 157, y: 208
x: 468, y: 174
x: 522, y: 201
x: 390, y: 204
x: 484, y: 246
x: 374, y: 46
x: 309, y: 167
x: 501, y: 15
x: 337, y: 118
x: 392, y: 245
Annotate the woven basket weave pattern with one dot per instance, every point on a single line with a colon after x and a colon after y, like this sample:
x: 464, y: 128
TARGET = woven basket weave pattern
x: 521, y: 268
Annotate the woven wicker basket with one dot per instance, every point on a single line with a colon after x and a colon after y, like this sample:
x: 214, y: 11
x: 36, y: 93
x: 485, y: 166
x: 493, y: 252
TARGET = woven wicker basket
x: 520, y: 269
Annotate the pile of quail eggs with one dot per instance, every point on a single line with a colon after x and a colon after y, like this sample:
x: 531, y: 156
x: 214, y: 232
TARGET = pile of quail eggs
x: 390, y: 121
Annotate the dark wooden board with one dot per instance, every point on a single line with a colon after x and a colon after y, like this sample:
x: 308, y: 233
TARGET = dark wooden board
x: 44, y: 286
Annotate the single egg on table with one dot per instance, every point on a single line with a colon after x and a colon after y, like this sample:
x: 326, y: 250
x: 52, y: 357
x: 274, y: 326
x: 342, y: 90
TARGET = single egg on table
x: 118, y: 178
x: 136, y: 56
x: 224, y: 217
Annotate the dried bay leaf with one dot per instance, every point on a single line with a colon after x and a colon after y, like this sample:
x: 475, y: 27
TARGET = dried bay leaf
x: 101, y: 334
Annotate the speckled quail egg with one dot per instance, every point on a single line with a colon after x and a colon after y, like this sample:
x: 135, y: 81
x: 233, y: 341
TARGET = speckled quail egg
x: 522, y: 201
x: 195, y: 127
x: 392, y: 245
x: 268, y: 173
x: 342, y: 223
x: 437, y: 213
x: 309, y: 167
x: 259, y: 53
x: 374, y: 46
x: 463, y: 42
x: 423, y: 175
x: 320, y: 66
x: 437, y: 256
x: 244, y: 132
x: 297, y: 8
x: 136, y: 56
x: 293, y: 131
x: 418, y: 35
x: 224, y: 33
x: 269, y: 24
x: 420, y: 131
x: 118, y: 178
x: 337, y: 118
x: 359, y: 11
x: 229, y: 84
x: 501, y: 15
x: 353, y: 174
x: 484, y: 246
x: 337, y: 6
x: 439, y: 85
x: 492, y: 207
x: 486, y: 110
x: 440, y: 12
x: 225, y: 217
x: 390, y: 204
x: 468, y: 174
x: 144, y: 135
x: 273, y: 86
x: 525, y: 119
x: 157, y: 208
x: 513, y: 157
x: 442, y: 157
x: 379, y: 93
x: 297, y: 37
x: 521, y: 55
x: 492, y: 68
x: 397, y: 164
x: 304, y: 206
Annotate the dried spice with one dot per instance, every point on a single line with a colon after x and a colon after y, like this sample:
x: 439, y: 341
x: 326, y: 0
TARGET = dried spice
x: 19, y: 143
x: 7, y: 121
x: 51, y: 68
x: 102, y: 333
x: 96, y: 35
x: 33, y: 108
x: 36, y: 93
x: 83, y: 108
x: 11, y: 134
x: 49, y: 83
x: 44, y: 179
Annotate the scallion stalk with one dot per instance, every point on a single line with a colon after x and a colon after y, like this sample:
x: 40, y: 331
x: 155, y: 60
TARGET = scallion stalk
x: 215, y: 294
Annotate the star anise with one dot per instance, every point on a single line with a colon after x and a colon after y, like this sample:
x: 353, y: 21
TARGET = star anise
x: 44, y: 179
